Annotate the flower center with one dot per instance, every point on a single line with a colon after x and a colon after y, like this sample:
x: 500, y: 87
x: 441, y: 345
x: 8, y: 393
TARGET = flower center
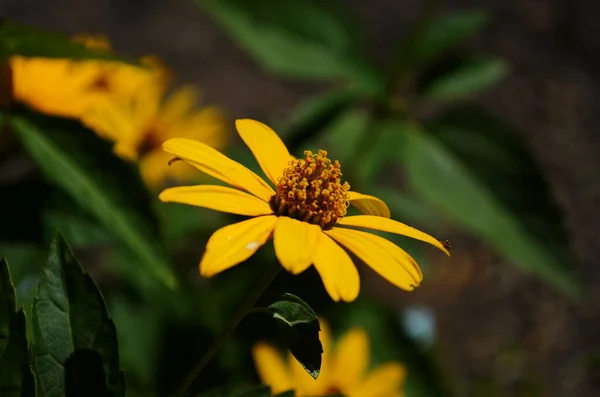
x: 311, y: 190
x: 149, y: 142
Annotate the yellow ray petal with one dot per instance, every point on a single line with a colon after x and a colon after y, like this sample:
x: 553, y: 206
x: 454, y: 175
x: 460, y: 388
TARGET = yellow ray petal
x: 179, y: 104
x: 218, y: 198
x: 339, y: 275
x: 383, y: 256
x: 235, y: 243
x: 154, y: 169
x: 352, y: 356
x: 390, y: 226
x: 271, y: 368
x: 210, y: 161
x: 267, y: 147
x: 295, y: 242
x: 384, y: 380
x: 369, y: 205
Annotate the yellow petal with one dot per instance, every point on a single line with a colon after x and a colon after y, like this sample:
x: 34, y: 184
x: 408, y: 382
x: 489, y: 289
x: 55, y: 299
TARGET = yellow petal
x: 339, y: 275
x: 154, y: 169
x: 369, y: 205
x: 386, y: 258
x: 295, y: 242
x: 267, y: 147
x: 271, y: 368
x: 218, y: 198
x: 384, y: 380
x: 179, y: 104
x: 352, y: 356
x: 215, y: 164
x: 235, y: 243
x: 391, y: 226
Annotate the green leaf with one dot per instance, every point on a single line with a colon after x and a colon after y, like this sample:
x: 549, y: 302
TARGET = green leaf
x: 314, y: 116
x: 75, y: 348
x: 75, y: 224
x: 16, y: 379
x: 440, y: 177
x: 299, y: 326
x: 16, y: 39
x: 84, y: 166
x: 470, y: 78
x: 441, y: 34
x: 300, y: 38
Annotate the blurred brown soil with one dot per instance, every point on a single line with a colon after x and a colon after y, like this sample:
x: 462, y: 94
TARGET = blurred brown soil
x: 496, y: 326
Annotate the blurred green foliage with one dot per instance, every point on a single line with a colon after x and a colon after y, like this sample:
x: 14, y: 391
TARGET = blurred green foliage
x: 458, y: 169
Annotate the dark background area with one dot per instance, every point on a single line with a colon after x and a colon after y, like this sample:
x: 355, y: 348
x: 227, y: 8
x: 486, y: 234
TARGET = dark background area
x: 495, y: 324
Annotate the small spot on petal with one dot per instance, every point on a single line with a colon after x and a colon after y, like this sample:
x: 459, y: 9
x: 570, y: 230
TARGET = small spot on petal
x: 252, y: 246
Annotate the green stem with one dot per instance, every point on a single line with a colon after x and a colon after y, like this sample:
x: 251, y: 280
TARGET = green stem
x: 251, y: 299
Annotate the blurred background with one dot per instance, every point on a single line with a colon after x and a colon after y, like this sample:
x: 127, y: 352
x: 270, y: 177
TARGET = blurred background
x: 508, y: 172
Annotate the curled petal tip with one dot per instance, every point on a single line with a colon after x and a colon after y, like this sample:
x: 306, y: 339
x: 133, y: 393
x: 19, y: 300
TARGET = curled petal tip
x: 174, y: 159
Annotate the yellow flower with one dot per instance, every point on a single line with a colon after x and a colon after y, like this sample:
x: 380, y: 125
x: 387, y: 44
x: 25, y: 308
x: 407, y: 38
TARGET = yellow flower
x: 305, y: 214
x: 343, y: 370
x: 67, y: 88
x: 140, y: 123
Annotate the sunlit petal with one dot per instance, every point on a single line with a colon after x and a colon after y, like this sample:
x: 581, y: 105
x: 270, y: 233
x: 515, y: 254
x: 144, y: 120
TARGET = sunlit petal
x: 218, y: 198
x: 352, y: 356
x: 386, y: 258
x: 339, y: 275
x: 235, y: 243
x: 295, y: 242
x: 384, y: 380
x: 390, y: 226
x: 212, y: 162
x: 369, y: 205
x: 267, y: 147
x: 271, y: 368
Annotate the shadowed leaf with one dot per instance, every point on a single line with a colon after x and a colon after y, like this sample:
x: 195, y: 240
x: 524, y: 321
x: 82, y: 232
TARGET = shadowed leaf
x: 84, y: 166
x: 75, y: 344
x: 16, y: 379
x: 17, y: 39
x: 299, y: 327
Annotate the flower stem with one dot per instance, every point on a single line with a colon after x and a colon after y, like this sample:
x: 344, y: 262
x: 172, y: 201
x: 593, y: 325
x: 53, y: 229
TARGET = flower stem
x: 251, y: 299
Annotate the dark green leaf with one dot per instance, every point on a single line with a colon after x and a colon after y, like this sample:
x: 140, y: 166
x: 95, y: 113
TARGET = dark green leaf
x: 442, y: 178
x: 75, y: 348
x: 470, y: 78
x: 441, y: 34
x: 16, y: 379
x: 21, y: 40
x: 84, y: 166
x: 299, y: 327
x: 301, y: 38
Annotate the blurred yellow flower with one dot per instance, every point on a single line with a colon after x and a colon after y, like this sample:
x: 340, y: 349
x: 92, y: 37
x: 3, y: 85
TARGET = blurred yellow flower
x: 343, y: 370
x: 305, y: 214
x: 67, y: 88
x: 140, y: 123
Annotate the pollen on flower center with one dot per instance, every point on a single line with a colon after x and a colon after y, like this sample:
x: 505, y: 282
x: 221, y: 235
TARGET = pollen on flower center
x: 311, y: 190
